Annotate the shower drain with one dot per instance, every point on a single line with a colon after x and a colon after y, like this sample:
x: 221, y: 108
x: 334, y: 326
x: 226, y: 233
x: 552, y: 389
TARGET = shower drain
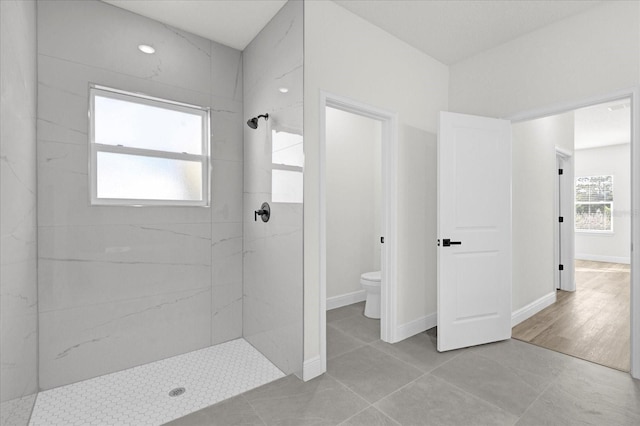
x: 177, y: 392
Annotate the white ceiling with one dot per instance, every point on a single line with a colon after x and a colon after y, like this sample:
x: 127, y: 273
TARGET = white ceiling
x: 230, y: 22
x: 451, y: 31
x: 446, y: 30
x: 598, y: 126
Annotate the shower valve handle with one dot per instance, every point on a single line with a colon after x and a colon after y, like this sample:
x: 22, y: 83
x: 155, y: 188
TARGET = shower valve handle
x: 264, y: 213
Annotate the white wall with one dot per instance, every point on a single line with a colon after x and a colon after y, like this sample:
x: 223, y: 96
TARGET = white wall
x: 592, y: 53
x: 353, y: 191
x: 587, y: 55
x: 121, y: 286
x: 609, y: 160
x: 348, y: 56
x: 18, y: 250
x: 534, y: 182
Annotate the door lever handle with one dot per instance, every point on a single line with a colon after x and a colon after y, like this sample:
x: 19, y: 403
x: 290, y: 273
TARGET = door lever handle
x: 447, y: 242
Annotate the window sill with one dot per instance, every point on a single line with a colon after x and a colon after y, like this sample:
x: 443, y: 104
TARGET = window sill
x: 596, y: 233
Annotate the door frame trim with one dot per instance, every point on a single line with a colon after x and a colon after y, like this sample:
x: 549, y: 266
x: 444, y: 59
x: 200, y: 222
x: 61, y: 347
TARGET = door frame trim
x: 634, y: 94
x: 564, y: 192
x: 389, y: 168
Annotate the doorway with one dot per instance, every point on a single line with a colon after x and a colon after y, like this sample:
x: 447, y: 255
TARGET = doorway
x: 590, y: 318
x: 388, y: 213
x: 353, y: 230
x: 387, y: 125
x: 564, y: 231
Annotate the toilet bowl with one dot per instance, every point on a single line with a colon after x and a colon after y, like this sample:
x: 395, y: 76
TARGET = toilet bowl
x: 371, y: 283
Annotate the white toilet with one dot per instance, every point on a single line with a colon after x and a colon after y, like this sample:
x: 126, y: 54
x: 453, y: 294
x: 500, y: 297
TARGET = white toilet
x: 371, y: 283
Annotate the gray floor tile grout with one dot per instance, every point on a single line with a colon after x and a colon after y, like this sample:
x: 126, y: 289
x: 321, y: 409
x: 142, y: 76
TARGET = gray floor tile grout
x: 402, y: 360
x: 446, y: 362
x: 520, y: 369
x: 476, y: 397
x: 384, y: 353
x: 536, y: 400
x: 347, y: 387
x: 396, y: 391
x: 349, y: 418
x: 515, y: 369
x: 363, y: 344
x: 365, y: 409
x: 253, y: 408
x: 349, y: 335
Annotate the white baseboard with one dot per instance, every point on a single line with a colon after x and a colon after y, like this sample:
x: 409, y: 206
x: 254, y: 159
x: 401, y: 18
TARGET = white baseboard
x: 532, y: 308
x: 346, y: 299
x: 598, y: 258
x: 414, y: 327
x: 312, y: 368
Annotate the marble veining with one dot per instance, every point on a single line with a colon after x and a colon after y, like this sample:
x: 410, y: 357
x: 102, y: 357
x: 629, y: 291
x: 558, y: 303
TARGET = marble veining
x: 18, y: 231
x: 122, y: 286
x: 272, y: 251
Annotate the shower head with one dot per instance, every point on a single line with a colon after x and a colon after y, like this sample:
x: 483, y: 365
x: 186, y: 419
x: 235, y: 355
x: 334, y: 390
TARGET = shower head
x: 253, y: 122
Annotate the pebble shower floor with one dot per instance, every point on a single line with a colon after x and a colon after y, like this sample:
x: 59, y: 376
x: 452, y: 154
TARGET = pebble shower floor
x: 140, y: 395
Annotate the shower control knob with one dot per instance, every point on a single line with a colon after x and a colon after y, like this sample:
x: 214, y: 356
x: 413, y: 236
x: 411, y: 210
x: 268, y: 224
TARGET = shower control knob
x: 264, y: 212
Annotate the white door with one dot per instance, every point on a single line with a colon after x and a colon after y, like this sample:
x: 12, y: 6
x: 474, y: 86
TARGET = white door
x: 474, y: 230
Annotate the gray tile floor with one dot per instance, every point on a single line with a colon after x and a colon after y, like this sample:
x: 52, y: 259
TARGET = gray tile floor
x: 370, y: 382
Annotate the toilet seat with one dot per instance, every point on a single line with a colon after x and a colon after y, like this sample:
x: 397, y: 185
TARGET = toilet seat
x: 372, y: 277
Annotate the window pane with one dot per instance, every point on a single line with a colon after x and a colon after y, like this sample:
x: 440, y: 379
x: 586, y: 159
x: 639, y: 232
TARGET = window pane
x: 148, y: 178
x: 286, y: 186
x: 594, y: 188
x: 130, y: 124
x: 286, y: 149
x: 593, y: 217
x: 582, y: 189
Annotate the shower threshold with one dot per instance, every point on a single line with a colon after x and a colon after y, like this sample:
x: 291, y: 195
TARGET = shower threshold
x: 158, y: 392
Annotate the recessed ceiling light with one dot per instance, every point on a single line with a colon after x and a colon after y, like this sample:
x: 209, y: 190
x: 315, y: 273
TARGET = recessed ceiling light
x: 283, y: 90
x: 145, y: 48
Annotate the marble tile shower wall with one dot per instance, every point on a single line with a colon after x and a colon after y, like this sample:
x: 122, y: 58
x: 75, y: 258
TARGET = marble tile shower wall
x: 123, y: 286
x: 272, y: 310
x: 18, y: 251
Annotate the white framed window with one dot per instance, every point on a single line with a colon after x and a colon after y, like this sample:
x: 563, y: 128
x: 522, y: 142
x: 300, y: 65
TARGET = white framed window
x: 594, y: 204
x: 146, y: 151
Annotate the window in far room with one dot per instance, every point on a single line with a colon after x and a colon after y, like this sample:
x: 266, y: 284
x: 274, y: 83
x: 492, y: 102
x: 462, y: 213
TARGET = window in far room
x: 594, y: 203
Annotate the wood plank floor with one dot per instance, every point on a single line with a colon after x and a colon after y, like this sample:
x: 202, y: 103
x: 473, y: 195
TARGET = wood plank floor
x: 591, y: 323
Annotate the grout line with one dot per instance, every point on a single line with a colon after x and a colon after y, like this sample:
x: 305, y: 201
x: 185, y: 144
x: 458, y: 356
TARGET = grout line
x: 242, y: 395
x: 536, y: 399
x: 411, y: 365
x: 196, y: 290
x: 476, y: 397
x: 347, y: 388
x: 349, y: 418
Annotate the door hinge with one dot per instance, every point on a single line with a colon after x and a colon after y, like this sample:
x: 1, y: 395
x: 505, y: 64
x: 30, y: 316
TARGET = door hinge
x: 561, y: 219
x: 561, y: 268
x: 381, y: 240
x: 560, y: 171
